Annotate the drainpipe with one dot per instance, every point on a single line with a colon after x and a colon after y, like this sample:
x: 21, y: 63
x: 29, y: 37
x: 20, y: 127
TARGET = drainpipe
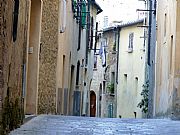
x: 149, y: 32
x: 80, y: 23
x: 87, y: 30
x: 117, y: 66
x: 86, y: 62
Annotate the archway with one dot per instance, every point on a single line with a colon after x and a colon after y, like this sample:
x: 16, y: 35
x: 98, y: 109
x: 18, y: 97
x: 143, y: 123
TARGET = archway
x: 92, y: 104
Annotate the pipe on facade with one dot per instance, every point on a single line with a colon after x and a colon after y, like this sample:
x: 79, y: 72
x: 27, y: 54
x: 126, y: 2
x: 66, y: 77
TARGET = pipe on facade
x: 87, y: 30
x: 117, y: 65
x: 80, y: 23
x: 149, y: 32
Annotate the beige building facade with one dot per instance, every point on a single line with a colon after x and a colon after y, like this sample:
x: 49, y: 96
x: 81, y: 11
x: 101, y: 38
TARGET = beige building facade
x: 42, y: 57
x: 57, y: 68
x: 131, y: 70
x: 167, y: 90
x: 75, y: 59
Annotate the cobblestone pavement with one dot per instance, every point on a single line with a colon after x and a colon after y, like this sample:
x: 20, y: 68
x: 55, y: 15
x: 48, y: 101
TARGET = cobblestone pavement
x: 70, y: 125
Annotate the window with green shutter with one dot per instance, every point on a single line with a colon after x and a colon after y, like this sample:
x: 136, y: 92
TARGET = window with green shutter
x: 83, y: 13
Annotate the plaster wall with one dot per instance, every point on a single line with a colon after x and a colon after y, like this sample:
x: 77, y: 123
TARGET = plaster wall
x: 131, y: 66
x: 167, y: 68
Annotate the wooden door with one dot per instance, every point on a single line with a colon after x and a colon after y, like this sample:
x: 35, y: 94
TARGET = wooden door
x: 92, y: 104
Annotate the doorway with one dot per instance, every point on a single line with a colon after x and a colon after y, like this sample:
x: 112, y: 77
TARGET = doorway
x: 92, y: 104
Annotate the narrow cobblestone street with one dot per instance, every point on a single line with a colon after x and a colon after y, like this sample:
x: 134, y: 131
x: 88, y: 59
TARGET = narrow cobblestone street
x: 70, y: 125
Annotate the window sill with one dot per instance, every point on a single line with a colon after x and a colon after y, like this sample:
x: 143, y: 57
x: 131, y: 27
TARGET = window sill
x: 130, y: 50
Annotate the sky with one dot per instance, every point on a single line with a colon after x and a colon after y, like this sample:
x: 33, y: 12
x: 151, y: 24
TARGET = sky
x: 119, y: 10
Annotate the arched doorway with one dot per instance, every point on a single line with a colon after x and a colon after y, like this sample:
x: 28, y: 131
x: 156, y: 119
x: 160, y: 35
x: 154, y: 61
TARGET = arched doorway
x: 92, y: 104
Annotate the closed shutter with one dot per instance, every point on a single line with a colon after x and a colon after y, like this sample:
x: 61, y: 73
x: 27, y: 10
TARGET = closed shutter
x: 83, y: 14
x: 63, y: 16
x: 92, y: 24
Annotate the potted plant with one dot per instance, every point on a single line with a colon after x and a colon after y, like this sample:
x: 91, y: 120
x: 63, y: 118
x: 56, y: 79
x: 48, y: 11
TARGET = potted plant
x: 110, y: 88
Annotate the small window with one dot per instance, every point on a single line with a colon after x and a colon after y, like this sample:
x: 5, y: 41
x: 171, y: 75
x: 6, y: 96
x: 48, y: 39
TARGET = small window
x: 136, y: 84
x: 83, y: 14
x: 74, y: 4
x: 15, y: 19
x: 165, y: 23
x: 171, y: 55
x: 131, y: 40
x: 77, y: 73
x: 63, y: 16
x: 95, y: 61
x: 125, y: 82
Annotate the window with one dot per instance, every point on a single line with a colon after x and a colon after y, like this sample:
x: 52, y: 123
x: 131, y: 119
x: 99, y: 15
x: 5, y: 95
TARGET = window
x: 63, y: 16
x: 83, y: 13
x: 77, y: 73
x: 95, y: 61
x: 171, y: 55
x: 131, y: 38
x: 136, y: 85
x: 125, y: 82
x: 165, y: 22
x: 74, y: 4
x: 114, y: 45
x: 15, y: 19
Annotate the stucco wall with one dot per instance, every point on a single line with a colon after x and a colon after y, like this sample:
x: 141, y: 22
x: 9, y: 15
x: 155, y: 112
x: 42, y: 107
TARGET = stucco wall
x: 167, y: 68
x: 68, y: 45
x: 35, y: 12
x: 68, y: 42
x: 133, y: 65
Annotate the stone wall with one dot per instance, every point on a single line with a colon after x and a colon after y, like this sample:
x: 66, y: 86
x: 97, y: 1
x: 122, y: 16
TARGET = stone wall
x: 48, y: 57
x: 12, y: 58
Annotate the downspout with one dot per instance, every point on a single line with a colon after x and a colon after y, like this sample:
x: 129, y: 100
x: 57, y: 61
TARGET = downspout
x: 84, y: 108
x: 87, y: 31
x: 149, y: 32
x: 80, y: 24
x: 117, y: 66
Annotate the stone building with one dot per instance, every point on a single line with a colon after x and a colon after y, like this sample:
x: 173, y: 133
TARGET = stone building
x: 98, y: 81
x: 167, y: 88
x: 14, y: 17
x: 104, y: 81
x: 131, y: 69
